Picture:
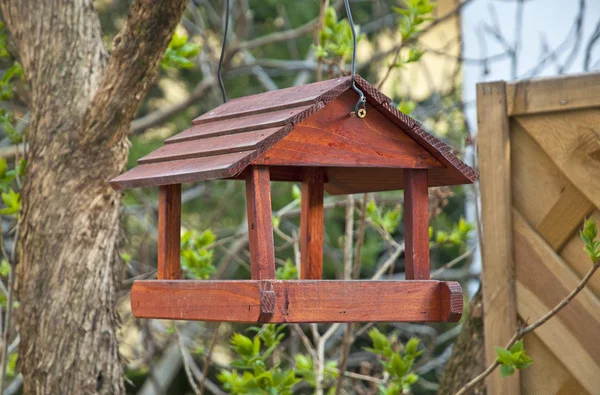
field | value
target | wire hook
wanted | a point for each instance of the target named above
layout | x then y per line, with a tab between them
360	109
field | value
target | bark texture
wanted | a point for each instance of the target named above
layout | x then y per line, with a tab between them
81	103
468	353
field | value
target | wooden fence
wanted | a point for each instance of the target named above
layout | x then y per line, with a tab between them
539	161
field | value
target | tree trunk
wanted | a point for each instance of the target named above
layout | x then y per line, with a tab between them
468	353
81	104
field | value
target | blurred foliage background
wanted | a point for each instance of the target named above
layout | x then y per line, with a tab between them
275	44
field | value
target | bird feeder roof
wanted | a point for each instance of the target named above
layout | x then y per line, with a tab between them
308	125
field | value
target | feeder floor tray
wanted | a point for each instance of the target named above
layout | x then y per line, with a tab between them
298	301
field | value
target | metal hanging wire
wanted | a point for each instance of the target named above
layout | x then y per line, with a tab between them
360	109
220	67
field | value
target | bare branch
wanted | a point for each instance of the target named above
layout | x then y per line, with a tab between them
530	328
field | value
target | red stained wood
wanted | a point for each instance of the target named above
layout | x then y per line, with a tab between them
169	230
299	301
296	96
212	146
416	222
332	137
240	124
224	142
179	171
347	180
311	224
260	223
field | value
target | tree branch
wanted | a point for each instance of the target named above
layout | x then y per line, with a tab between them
137	51
157	117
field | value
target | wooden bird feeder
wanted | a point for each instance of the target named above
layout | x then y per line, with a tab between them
302	134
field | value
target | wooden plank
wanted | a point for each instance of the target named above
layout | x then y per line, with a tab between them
169	231
296	96
416	224
260	223
332	137
499	299
553	94
311	224
180	171
347	180
565	217
532	171
299	301
243	124
571	140
557	337
547	375
212	146
543	281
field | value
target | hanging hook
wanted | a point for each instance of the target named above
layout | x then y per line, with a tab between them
360	109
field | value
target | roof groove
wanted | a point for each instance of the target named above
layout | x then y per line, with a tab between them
285	106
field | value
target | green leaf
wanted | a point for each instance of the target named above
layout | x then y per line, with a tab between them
504	356
242	344
3	167
12	200
517	347
256	345
296	193
412	346
407	106
380	342
287	272
506	370
4	268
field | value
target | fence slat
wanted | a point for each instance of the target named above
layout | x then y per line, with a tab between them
500	320
553	94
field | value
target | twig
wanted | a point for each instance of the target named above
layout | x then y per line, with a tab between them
348	237
347	341
452	263
185	356
278	36
154	118
208	357
530	328
390	261
305	341
398	48
320	366
360	238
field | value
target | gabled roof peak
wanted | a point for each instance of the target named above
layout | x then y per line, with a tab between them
224	141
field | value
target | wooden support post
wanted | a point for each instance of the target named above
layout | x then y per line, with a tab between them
498	271
169	230
260	223
416	224
311	224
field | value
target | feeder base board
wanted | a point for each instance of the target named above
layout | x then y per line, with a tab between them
298	300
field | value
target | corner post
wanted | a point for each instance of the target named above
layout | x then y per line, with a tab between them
416	224
169	230
311	224
498	266
260	223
